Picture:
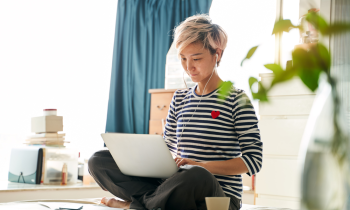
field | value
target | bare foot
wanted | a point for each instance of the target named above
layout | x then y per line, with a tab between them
112	202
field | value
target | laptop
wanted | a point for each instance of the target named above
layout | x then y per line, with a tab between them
141	154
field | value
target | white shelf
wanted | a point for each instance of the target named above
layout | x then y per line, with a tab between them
10	191
13	187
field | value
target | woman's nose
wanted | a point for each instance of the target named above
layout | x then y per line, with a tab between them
189	65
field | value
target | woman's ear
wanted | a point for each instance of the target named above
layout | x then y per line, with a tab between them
219	53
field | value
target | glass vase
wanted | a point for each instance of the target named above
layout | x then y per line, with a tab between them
323	176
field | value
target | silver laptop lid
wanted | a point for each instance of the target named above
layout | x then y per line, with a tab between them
140	154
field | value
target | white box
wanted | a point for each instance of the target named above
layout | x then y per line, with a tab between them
46	124
53	161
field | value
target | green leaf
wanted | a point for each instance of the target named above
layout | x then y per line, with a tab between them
283	76
317	21
280	75
324	57
309	64
300	58
282	26
310	78
250	53
336	28
320	24
252	81
275	68
224	90
262	92
289	65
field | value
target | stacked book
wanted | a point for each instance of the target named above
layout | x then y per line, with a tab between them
46	129
49	139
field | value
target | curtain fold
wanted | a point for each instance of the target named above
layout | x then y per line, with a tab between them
143	36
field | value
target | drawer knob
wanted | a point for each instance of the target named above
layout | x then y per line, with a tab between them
160	107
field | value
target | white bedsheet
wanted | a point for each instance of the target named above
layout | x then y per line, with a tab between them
89	204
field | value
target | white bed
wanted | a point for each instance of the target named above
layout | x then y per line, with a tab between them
89	204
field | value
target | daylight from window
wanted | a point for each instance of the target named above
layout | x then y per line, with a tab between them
247	26
55	54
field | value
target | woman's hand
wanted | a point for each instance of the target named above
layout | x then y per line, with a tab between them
184	161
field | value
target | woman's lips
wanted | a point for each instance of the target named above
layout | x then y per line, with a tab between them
192	75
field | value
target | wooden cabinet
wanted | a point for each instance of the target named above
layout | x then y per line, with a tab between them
282	124
160	102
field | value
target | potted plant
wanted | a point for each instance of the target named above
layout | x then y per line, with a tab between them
325	150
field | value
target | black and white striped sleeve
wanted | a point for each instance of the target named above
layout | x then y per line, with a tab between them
248	133
170	127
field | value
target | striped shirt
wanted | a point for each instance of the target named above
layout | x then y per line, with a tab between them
215	130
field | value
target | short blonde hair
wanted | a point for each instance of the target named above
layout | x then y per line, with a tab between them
200	28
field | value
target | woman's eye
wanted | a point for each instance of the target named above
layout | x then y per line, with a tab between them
196	59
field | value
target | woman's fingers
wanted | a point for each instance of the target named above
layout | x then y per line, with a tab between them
184	161
178	161
181	162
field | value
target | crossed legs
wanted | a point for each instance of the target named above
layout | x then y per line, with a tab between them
186	189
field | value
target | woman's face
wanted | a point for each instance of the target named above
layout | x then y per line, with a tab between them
197	62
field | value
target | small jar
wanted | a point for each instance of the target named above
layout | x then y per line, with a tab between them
50	112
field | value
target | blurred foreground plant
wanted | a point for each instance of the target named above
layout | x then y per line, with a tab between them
308	65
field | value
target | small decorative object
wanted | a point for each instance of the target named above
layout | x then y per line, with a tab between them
215	114
309	34
64	174
50	112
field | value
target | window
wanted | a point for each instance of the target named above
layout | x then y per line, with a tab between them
247	26
55	54
290	10
174	73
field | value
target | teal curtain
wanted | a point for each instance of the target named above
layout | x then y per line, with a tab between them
143	36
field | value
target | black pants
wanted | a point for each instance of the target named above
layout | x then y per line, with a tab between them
186	189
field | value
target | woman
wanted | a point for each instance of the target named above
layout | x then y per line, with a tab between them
216	139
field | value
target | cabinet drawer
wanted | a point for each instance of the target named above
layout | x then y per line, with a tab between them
282	135
292	87
160	103
287	105
279	177
156	127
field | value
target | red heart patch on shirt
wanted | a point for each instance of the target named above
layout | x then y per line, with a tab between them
215	114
